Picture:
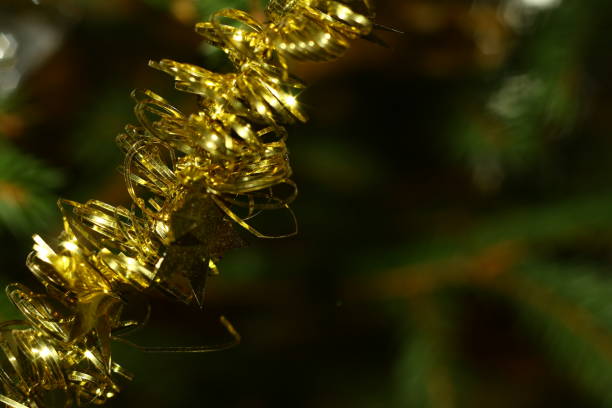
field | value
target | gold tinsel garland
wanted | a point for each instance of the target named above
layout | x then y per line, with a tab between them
191	177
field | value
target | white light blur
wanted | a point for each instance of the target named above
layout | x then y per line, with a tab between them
8	47
509	101
541	4
9	80
520	14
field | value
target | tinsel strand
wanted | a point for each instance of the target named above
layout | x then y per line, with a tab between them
191	177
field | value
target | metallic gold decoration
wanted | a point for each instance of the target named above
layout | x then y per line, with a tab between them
193	178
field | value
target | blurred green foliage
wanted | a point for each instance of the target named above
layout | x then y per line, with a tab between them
28	191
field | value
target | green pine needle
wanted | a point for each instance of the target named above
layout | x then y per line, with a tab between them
27	200
568	308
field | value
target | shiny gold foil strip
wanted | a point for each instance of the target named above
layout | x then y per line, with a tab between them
192	177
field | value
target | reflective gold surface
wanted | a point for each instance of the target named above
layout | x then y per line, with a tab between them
192	177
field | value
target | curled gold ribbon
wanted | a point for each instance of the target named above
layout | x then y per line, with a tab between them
191	177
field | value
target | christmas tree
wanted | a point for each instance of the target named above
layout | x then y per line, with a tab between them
455	210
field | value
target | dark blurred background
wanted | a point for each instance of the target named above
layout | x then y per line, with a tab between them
455	245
